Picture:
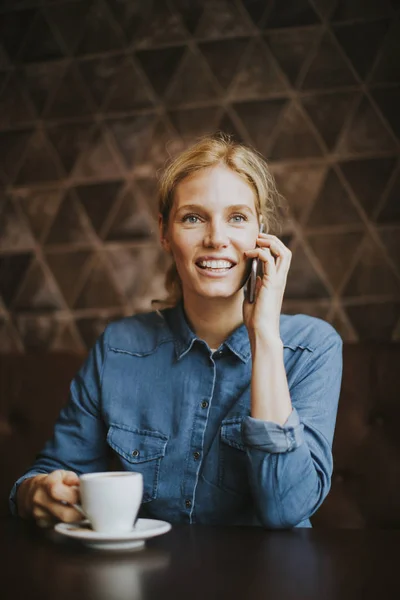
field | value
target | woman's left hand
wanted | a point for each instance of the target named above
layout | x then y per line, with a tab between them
263	316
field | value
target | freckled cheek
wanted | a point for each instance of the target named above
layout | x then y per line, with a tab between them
184	248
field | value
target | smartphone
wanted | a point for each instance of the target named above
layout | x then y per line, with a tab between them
251	285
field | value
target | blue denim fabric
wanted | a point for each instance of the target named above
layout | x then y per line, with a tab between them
167	406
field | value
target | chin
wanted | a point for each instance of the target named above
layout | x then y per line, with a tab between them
214	288
215	291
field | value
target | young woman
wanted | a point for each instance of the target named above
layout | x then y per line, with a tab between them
226	407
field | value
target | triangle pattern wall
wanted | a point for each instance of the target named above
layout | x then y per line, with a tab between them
95	95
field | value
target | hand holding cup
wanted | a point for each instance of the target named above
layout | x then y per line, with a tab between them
50	498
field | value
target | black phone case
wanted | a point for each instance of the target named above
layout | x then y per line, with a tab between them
252	281
251	286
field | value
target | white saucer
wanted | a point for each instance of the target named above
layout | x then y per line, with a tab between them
135	539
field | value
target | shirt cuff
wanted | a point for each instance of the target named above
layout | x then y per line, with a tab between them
271	437
12	500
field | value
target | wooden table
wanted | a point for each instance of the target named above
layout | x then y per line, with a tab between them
199	562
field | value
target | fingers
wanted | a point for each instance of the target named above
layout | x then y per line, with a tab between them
70	478
282	255
277	247
52	499
45	507
60	485
44	519
263	254
60	511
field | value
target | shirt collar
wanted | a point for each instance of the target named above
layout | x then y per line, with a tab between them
238	342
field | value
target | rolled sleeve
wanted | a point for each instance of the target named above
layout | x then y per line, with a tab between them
272	437
289	482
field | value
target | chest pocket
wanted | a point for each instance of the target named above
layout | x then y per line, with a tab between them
232	468
141	451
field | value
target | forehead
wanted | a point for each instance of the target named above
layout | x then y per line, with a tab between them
216	186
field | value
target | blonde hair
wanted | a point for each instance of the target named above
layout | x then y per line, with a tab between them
208	152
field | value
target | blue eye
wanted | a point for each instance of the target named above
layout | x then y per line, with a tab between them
239	218
190	219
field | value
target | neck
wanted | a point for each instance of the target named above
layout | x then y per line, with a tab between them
213	320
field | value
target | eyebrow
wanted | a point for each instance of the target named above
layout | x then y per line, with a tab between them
233	207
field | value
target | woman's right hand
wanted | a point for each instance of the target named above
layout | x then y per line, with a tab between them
48	498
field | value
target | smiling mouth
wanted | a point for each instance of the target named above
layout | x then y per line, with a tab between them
215	266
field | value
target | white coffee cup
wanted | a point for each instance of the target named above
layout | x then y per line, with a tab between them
111	500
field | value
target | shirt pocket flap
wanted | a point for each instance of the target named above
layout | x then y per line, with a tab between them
137	446
231	434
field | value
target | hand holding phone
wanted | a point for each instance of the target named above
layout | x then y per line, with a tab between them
251	285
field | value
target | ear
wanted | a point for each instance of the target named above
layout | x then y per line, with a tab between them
163	234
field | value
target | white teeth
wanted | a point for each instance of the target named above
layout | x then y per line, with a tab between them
215	264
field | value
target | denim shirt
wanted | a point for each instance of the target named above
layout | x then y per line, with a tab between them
157	398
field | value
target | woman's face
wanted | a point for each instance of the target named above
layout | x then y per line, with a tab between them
212	222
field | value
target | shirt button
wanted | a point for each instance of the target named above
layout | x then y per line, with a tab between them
196	455
188	503
135	453
204	404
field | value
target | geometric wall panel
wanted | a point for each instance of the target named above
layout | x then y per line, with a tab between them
97	159
99	34
15	233
303	280
299	185
98	291
14	27
69	270
96	96
367	326
328	69
258	74
192	82
39	207
389	212
223	57
333	205
221	19
390	237
361	42
291	48
41	80
387	99
98	200
70	225
348	10
366	132
387	68
334	251
38	164
70	99
132	220
158	65
368	179
372	276
37	292
37	333
260	119
15	108
13	268
293	13
295	137
329	113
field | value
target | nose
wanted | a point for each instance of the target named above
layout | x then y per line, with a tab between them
216	235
